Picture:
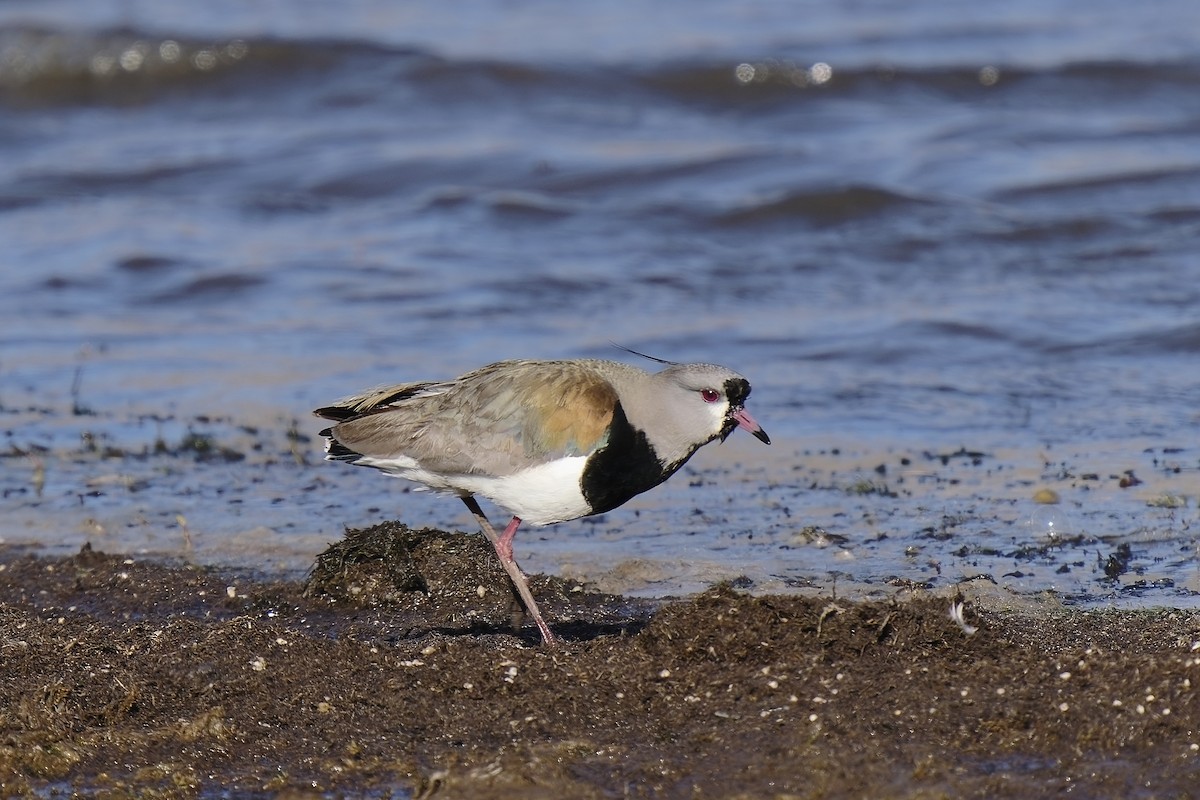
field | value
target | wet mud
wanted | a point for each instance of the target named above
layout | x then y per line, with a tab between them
393	671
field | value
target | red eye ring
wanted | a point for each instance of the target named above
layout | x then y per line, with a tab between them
710	395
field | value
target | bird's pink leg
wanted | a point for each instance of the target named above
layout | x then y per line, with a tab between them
503	546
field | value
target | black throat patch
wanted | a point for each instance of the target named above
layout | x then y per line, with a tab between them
626	466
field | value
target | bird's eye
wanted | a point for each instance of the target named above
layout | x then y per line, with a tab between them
710	395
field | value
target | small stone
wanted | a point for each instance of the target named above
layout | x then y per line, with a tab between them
1046	497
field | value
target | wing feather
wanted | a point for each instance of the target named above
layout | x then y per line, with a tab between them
494	421
371	401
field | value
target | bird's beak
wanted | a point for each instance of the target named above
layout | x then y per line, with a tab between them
746	422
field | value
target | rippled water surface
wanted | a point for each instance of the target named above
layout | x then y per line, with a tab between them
954	249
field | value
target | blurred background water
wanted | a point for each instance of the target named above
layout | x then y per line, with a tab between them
954	248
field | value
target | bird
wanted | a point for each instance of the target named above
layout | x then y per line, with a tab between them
545	440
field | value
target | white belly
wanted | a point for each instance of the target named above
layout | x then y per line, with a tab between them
540	495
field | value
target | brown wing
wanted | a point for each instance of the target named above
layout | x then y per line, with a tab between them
496	420
370	401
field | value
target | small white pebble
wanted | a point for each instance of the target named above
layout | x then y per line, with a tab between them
468	686
1001	691
620	695
258	664
666	673
1063	707
897	713
1149	698
793	699
1064	675
1141	709
1166	712
965	692
281	642
812	718
1194	747
773	684
412	662
481	590
428	651
839	676
1118	703
231	591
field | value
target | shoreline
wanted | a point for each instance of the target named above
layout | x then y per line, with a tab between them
123	677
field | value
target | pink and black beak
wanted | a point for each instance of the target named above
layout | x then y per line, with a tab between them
743	420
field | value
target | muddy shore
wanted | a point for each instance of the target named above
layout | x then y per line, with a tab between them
394	672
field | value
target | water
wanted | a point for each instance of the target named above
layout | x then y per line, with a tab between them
919	229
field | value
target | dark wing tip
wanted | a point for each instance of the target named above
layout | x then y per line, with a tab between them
335	413
374	401
336	451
